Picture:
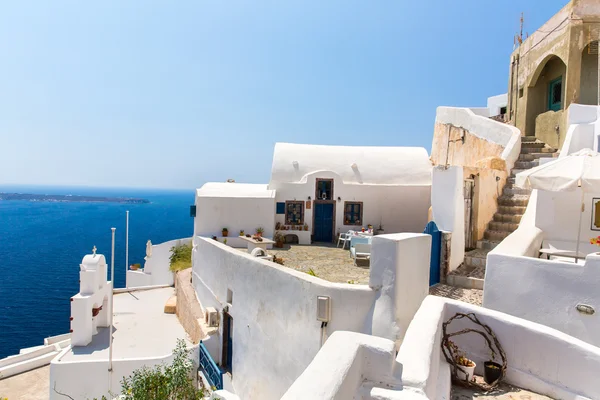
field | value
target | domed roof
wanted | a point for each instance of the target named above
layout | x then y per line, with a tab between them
354	164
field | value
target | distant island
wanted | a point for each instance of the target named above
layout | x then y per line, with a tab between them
71	198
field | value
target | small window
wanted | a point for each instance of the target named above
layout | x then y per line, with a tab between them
520	92
229	296
502	110
353	213
324	189
280	208
294	213
555	95
193	211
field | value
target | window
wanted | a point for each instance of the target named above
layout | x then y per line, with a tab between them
520	92
353	213
555	95
192	211
502	110
324	190
280	208
294	213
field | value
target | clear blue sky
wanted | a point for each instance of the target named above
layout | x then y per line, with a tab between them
176	93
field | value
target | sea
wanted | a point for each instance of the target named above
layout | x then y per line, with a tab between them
42	244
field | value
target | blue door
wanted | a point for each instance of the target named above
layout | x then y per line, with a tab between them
436	249
323	222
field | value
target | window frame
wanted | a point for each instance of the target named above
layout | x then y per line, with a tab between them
290	202
317	197
555	106
359	203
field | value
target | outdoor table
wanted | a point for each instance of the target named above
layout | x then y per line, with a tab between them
253	244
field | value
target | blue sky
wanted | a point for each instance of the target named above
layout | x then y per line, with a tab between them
176	93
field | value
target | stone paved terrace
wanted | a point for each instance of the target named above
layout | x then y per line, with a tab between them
327	261
504	391
30	385
473	296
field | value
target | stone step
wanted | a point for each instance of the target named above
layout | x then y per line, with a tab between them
525	139
496	236
510	190
515	200
536	144
512	218
502	226
536	156
511	210
516	171
487	244
526	164
476	258
541	149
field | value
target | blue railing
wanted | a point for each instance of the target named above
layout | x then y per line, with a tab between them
210	368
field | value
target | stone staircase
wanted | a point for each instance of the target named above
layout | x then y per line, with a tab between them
511	207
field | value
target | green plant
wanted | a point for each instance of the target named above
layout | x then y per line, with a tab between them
241	232
224	230
163	382
311	272
181	257
224	241
259	231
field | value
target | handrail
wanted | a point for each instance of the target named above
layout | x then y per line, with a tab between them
212	371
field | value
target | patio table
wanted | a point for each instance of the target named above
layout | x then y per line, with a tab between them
253	244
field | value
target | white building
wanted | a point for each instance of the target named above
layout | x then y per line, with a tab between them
316	192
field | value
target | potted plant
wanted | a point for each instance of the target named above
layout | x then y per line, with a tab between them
277	226
225	232
135	267
224	241
305	227
248	235
241	232
492	371
278	238
465	364
370	227
259	231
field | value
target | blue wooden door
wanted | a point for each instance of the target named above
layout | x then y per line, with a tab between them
436	249
323	222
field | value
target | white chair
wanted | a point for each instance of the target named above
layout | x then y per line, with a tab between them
344	238
362	251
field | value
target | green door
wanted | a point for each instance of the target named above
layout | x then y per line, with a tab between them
555	94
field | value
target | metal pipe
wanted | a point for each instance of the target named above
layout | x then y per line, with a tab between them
126	240
112	304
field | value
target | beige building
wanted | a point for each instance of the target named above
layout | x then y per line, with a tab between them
556	66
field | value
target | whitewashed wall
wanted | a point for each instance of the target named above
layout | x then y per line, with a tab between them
546	292
234	213
448	209
583	129
495	103
275	330
91	379
398	208
156	268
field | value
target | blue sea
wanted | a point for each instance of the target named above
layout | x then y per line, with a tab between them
42	244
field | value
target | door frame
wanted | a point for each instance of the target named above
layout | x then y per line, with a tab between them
551	85
227	333
314	214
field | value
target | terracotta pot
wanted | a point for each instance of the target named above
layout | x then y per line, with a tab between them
225	233
133	267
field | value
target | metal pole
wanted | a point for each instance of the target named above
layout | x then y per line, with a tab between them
112	304
126	240
582	208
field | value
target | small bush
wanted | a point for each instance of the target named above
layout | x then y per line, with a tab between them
181	257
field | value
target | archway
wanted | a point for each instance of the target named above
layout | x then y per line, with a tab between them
546	90
588	89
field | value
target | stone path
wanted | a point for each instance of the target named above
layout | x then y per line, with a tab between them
327	261
30	385
504	391
473	296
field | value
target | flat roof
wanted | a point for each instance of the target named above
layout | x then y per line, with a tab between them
142	329
232	189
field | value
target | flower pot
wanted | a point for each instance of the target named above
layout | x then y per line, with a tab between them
468	370
134	267
492	372
225	233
